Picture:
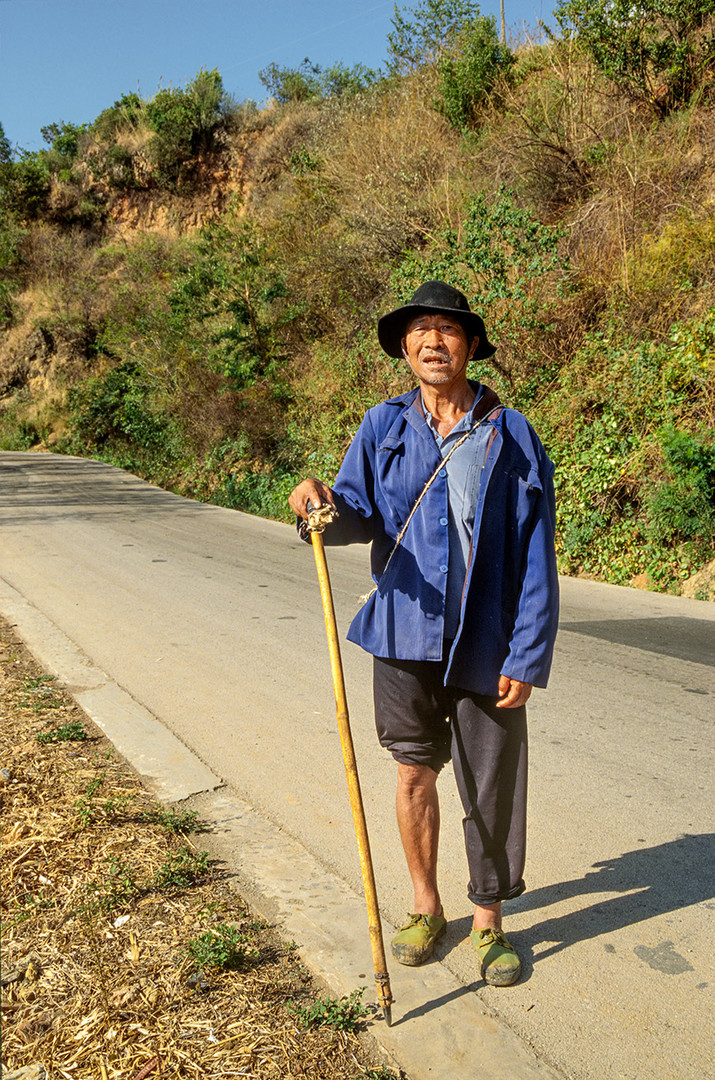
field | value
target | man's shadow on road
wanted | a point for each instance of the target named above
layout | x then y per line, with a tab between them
655	880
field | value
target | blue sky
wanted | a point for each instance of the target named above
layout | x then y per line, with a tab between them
69	59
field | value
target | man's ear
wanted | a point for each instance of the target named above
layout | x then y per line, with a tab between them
473	347
403	345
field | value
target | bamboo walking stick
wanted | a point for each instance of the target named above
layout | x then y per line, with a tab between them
317	520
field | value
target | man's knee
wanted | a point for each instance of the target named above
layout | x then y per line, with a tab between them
415	780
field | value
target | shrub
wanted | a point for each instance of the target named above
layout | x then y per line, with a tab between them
502	258
310	82
224	947
25	187
185	123
468	73
682	506
64	139
115	409
656	51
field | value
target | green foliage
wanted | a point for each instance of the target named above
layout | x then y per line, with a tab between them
73	732
422	33
343	1014
64	139
635	496
468	72
25	187
292	84
12	236
40	693
382	1073
501	257
682	506
114	410
173	820
5	148
117	888
232	294
125	114
310	82
223	947
86	805
657	51
185	123
265	494
182	869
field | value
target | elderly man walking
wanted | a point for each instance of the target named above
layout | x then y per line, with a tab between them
455	492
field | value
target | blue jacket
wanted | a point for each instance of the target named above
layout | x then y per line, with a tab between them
510	603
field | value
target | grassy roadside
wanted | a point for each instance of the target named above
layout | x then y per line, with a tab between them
124	954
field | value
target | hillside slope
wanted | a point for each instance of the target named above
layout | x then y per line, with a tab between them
189	287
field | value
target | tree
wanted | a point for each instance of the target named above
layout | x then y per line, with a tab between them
422	34
469	72
657	51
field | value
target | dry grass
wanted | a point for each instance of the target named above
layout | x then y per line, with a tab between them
98	980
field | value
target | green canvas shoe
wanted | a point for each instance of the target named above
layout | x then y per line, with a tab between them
416	940
500	964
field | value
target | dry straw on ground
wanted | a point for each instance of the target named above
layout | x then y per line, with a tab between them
102	896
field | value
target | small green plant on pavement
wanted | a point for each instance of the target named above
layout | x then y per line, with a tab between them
341	1014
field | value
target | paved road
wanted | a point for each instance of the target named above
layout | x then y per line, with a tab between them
211	619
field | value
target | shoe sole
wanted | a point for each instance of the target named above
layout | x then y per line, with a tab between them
505	977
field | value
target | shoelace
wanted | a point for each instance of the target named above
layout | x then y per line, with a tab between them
495	937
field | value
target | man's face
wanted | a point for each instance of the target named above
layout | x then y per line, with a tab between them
437	350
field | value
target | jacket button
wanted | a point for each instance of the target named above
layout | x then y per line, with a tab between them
444	521
442	472
444	569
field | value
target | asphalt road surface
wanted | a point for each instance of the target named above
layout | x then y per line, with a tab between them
212	620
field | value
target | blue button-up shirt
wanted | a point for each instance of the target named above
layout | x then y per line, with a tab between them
509	607
463	471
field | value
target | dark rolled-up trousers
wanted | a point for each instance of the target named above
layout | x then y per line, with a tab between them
423	722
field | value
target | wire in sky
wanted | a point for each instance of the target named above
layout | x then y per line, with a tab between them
306	37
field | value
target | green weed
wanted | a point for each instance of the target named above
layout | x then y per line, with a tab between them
223	947
341	1014
73	732
117	888
40	694
182	869
174	821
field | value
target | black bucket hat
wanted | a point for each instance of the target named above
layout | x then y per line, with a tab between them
439	298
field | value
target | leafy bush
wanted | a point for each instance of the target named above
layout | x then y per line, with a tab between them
115	408
656	51
231	295
181	869
25	187
64	139
682	506
310	82
469	72
73	732
185	123
502	258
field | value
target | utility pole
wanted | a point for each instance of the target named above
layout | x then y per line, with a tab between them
503	25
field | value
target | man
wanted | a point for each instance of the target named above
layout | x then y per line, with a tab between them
455	492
